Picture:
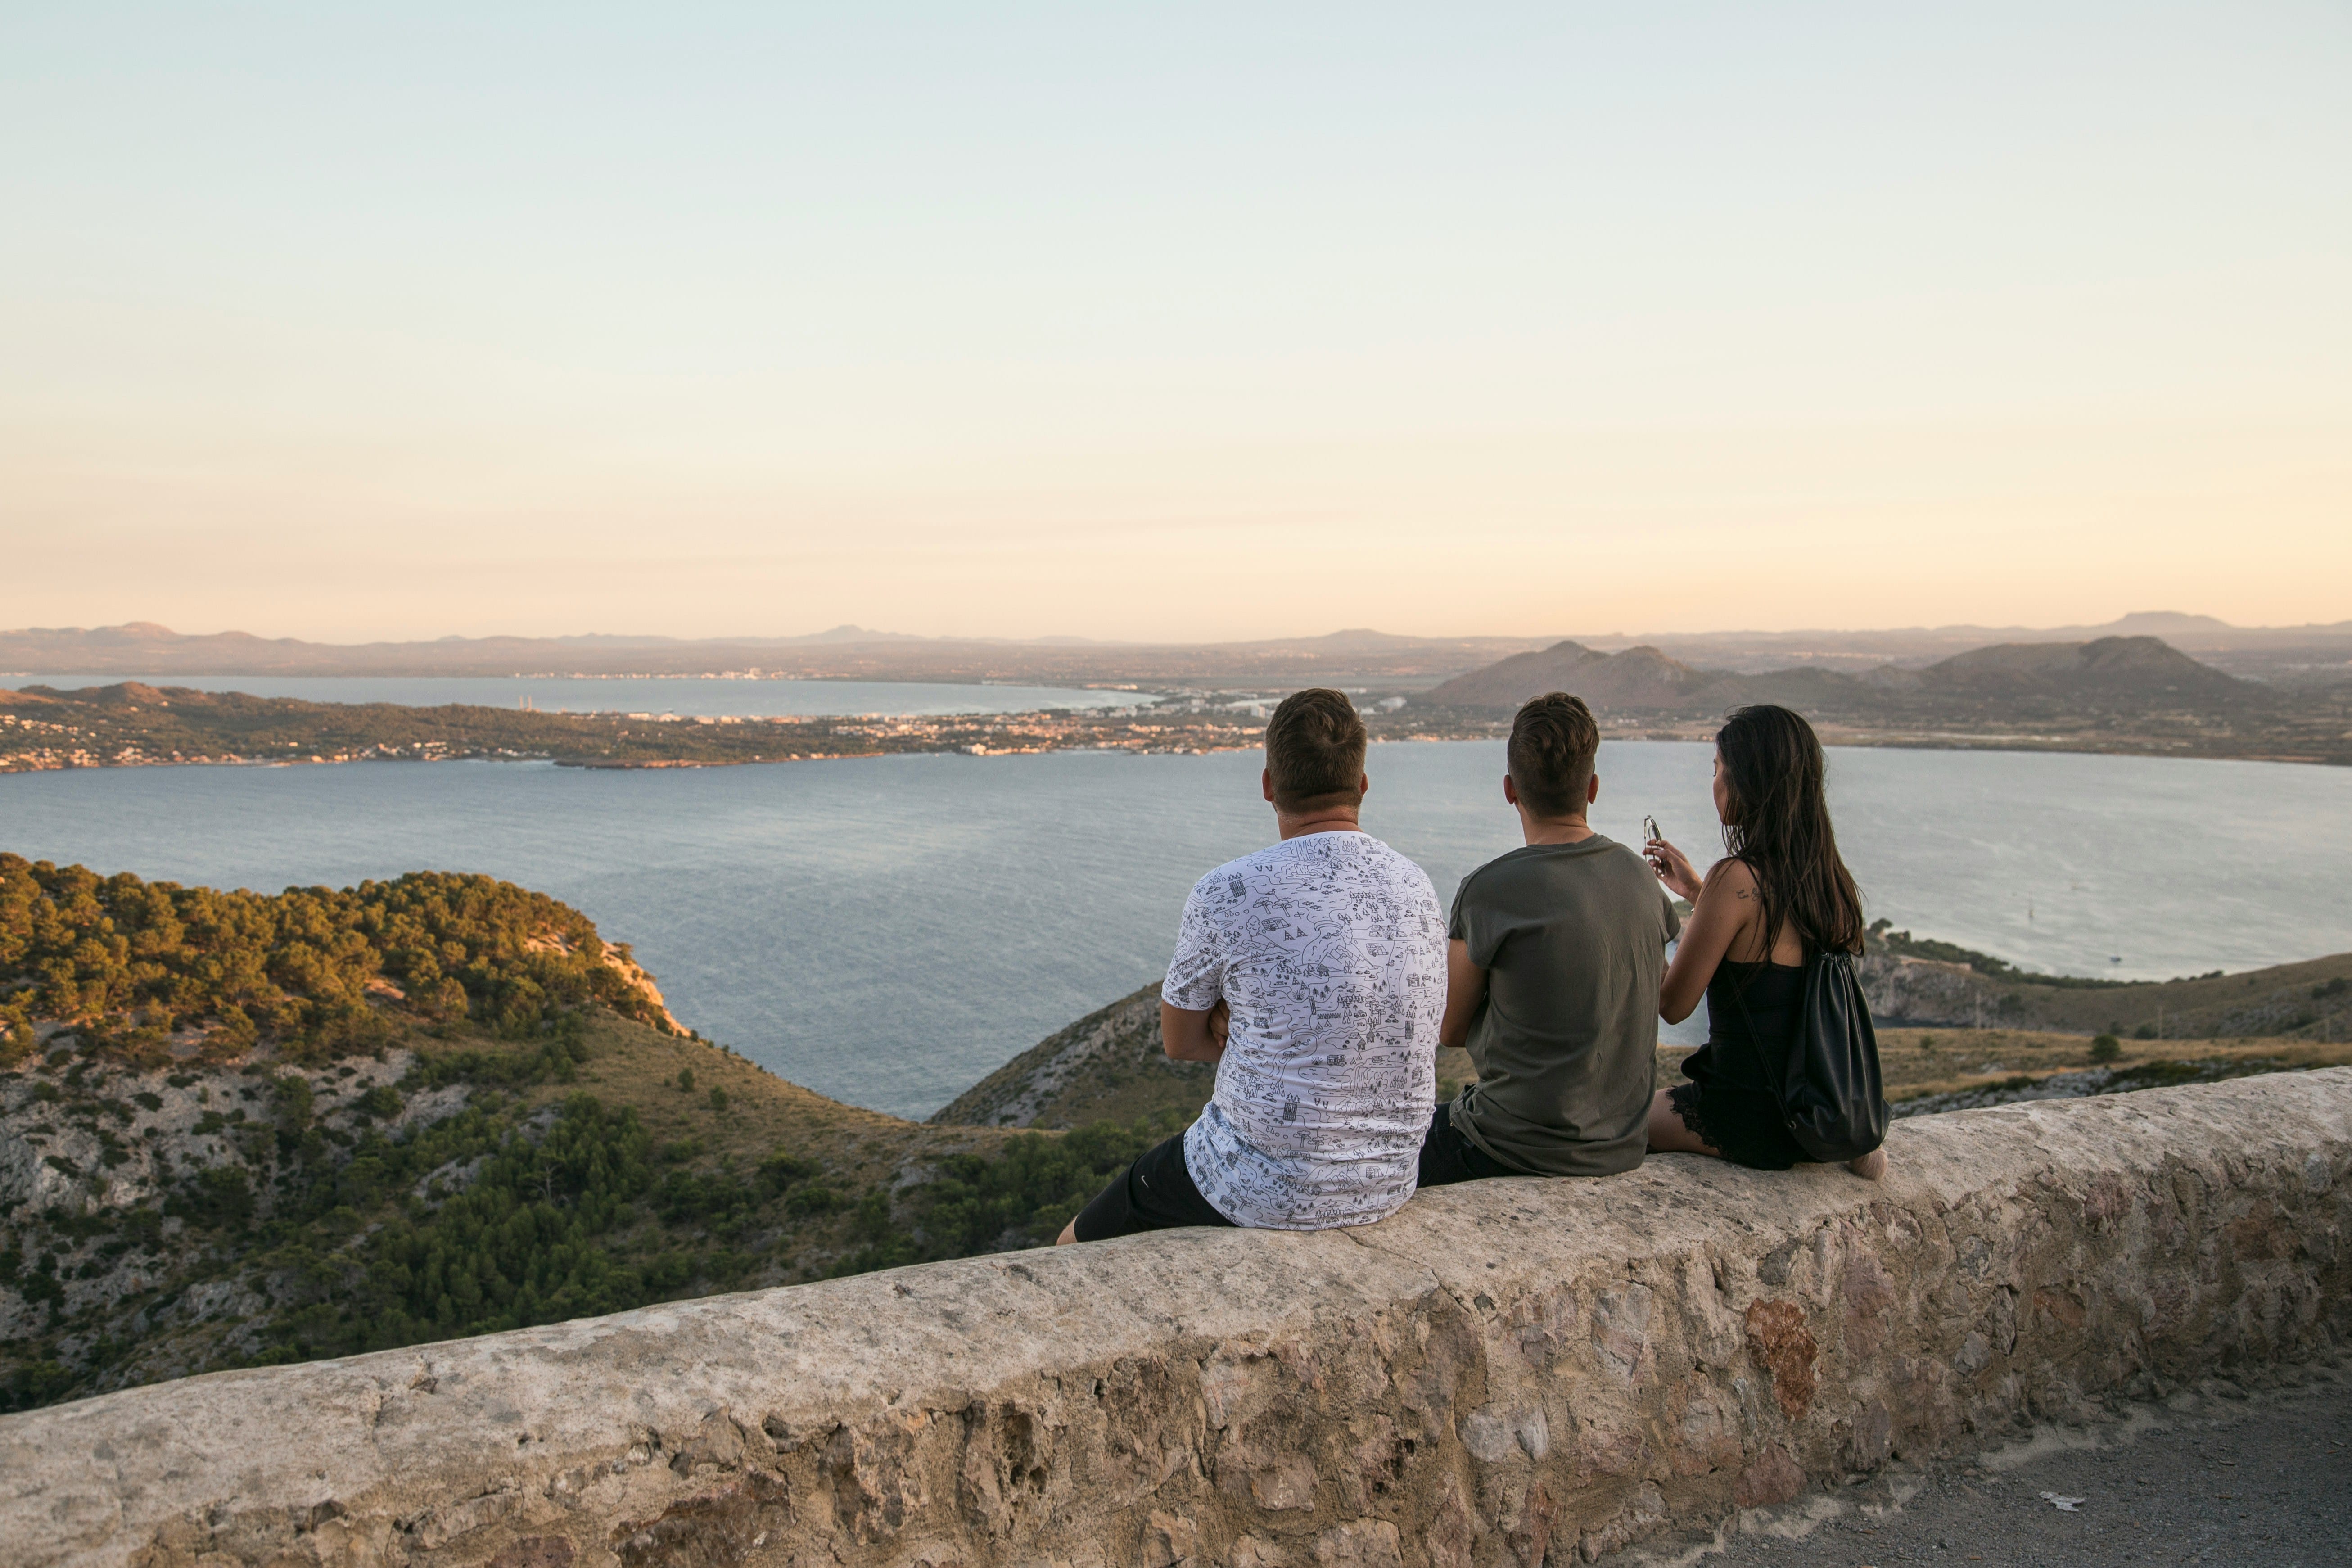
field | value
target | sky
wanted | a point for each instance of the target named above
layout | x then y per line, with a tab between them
1202	321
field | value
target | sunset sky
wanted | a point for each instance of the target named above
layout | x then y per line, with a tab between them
1174	322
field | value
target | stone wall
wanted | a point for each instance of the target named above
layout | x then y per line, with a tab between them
1508	1374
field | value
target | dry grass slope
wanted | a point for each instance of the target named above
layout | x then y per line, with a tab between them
1108	1065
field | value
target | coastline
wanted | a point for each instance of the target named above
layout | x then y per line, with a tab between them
1833	737
134	725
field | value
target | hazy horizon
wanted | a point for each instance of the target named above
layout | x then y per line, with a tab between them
1173	326
898	634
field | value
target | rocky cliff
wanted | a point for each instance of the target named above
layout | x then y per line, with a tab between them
2310	1001
1065	1079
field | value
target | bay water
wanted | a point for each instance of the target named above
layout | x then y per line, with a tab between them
887	930
685	695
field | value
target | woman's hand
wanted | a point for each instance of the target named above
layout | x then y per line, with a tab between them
1673	869
1220	1023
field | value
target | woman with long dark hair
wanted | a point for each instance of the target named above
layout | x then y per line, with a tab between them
1779	896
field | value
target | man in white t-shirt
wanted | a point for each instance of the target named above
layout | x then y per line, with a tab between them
1313	974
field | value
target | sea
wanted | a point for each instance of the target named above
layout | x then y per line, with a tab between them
887	930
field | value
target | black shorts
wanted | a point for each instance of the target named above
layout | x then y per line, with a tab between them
1447	1156
1743	1126
1156	1193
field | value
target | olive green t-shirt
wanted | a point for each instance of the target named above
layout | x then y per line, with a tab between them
1573	940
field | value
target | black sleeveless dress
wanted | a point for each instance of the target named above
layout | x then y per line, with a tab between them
1729	1101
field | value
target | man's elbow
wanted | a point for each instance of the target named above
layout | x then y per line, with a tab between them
1181	1045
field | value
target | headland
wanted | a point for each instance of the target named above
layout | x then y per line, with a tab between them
242	1130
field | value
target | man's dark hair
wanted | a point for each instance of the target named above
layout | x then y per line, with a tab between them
1315	750
1552	744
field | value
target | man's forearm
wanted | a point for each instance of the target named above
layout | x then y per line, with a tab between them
1186	1036
1466	989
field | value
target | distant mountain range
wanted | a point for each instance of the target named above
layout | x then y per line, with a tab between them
2137	671
846	652
2196	633
1353	657
2107	694
2313	655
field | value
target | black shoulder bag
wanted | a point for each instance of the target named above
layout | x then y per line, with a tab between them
1828	1080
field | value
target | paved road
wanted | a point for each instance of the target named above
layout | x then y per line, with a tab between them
2220	1476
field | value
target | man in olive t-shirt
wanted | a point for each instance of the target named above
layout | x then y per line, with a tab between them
1553	962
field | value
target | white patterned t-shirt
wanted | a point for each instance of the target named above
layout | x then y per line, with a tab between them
1330	950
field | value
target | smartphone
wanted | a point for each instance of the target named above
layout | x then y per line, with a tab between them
1649	828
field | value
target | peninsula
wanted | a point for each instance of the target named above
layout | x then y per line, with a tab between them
239	1129
136	725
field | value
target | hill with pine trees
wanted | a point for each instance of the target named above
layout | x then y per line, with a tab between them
238	1129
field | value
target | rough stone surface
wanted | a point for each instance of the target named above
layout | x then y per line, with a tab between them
1506	1373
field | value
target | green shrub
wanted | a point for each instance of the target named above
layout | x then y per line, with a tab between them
383	1103
38	1383
817	1198
313	970
220	1195
779	1170
2107	1048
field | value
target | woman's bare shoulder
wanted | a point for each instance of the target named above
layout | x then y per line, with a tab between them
1729	878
